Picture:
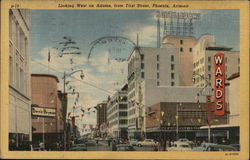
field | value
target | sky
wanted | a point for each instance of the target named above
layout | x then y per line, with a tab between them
102	70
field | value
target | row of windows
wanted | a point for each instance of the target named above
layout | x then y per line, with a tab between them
131	112
132	120
182	50
123	121
123	113
158	83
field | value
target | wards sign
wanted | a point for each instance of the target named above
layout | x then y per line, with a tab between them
219	84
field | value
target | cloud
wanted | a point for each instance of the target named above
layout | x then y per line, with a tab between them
147	33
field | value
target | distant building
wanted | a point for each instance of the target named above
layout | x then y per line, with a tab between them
184	46
44	97
19	78
203	60
101	116
117	113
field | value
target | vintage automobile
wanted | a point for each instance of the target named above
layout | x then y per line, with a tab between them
133	142
203	146
79	147
180	146
146	142
220	148
125	147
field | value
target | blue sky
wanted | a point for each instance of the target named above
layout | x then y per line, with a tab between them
84	26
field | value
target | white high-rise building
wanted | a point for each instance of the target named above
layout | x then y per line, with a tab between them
19	77
154	66
117	114
203	60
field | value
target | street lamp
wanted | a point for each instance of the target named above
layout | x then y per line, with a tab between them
177	121
163	137
208	100
67	75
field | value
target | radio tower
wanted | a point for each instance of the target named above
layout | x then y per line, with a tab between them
165	27
158	30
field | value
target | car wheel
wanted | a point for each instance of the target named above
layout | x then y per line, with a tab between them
140	145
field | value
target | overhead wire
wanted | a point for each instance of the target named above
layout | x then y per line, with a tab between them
87	83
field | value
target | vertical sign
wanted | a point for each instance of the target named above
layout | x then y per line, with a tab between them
219	84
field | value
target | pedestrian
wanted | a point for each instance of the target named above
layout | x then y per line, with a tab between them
114	148
109	142
156	146
41	145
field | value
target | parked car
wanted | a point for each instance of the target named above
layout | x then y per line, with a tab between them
236	146
146	142
133	142
81	140
220	148
203	147
78	147
180	146
125	147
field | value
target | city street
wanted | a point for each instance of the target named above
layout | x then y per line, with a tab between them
103	146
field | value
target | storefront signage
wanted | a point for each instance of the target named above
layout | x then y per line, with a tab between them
181	128
43	112
219	84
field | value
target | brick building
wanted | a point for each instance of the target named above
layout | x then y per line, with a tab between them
44	94
162	120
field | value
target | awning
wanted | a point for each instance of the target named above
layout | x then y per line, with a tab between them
219	126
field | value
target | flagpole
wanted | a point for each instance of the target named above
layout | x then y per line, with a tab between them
48	59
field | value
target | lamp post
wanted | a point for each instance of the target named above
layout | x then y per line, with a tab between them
177	121
64	91
161	126
67	75
208	101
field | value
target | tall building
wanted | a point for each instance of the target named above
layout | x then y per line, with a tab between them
117	113
101	114
47	116
203	60
184	45
152	66
19	78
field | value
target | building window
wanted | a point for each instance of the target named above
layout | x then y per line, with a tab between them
172	83
181	41
172	75
181	49
225	59
190	49
142	57
209	68
158	83
158	66
142	74
142	65
209	59
172	66
209	76
158	75
17	76
158	57
11	70
172	58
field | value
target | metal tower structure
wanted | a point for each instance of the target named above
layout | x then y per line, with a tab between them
180	24
158	31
